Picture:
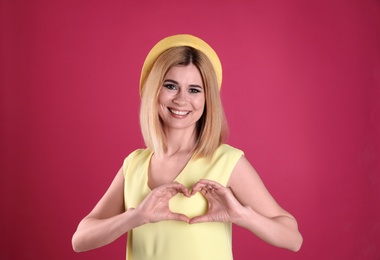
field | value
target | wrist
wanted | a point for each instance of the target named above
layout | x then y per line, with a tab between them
137	217
244	216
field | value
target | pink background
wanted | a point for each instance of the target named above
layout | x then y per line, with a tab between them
301	92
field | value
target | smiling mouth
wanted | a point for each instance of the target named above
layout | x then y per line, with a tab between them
179	113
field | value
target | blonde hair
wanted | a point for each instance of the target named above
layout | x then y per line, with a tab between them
212	127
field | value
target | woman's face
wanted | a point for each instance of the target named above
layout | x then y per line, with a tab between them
181	98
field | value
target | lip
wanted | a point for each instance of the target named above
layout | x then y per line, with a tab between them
178	113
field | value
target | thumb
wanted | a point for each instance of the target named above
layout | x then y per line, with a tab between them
178	217
199	219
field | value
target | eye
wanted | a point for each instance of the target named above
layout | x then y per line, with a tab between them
194	90
170	86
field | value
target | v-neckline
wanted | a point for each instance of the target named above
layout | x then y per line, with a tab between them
149	161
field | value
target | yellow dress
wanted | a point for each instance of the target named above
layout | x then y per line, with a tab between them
175	240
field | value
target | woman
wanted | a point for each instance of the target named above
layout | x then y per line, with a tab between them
178	198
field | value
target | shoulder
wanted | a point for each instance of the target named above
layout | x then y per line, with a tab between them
225	149
226	157
137	155
244	173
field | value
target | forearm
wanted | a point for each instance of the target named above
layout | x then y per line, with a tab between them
280	231
93	233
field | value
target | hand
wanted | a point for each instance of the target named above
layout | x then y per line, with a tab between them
155	207
222	204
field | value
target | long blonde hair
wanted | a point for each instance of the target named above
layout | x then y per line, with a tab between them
212	127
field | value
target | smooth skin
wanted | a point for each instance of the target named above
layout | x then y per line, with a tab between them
245	201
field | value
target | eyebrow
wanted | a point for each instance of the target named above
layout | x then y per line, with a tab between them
175	82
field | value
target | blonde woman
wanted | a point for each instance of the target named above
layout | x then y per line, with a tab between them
178	198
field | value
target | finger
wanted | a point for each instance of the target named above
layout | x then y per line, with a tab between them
213	184
178	217
206	183
209	182
203	192
199	219
217	188
176	187
208	193
182	189
198	187
210	188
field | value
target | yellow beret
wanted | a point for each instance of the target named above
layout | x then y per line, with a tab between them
180	40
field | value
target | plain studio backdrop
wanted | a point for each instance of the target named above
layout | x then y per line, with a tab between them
301	92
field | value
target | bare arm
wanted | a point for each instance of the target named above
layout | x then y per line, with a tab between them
247	203
108	220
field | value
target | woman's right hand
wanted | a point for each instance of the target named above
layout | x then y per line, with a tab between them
108	220
155	207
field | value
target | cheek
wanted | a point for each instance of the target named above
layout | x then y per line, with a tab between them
201	104
160	105
161	101
164	98
160	98
161	108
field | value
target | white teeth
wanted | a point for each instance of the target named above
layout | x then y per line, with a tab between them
180	113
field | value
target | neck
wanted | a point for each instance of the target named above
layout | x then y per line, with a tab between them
179	141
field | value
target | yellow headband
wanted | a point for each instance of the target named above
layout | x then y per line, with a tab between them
180	40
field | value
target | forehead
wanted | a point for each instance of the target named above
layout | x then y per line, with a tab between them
184	73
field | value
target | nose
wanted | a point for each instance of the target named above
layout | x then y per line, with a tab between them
180	97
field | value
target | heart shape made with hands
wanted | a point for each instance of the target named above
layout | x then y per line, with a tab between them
193	206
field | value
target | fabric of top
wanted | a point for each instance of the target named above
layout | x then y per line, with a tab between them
173	240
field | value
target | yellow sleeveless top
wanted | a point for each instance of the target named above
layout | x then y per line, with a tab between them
175	240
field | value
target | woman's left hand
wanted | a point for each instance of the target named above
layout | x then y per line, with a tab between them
222	204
